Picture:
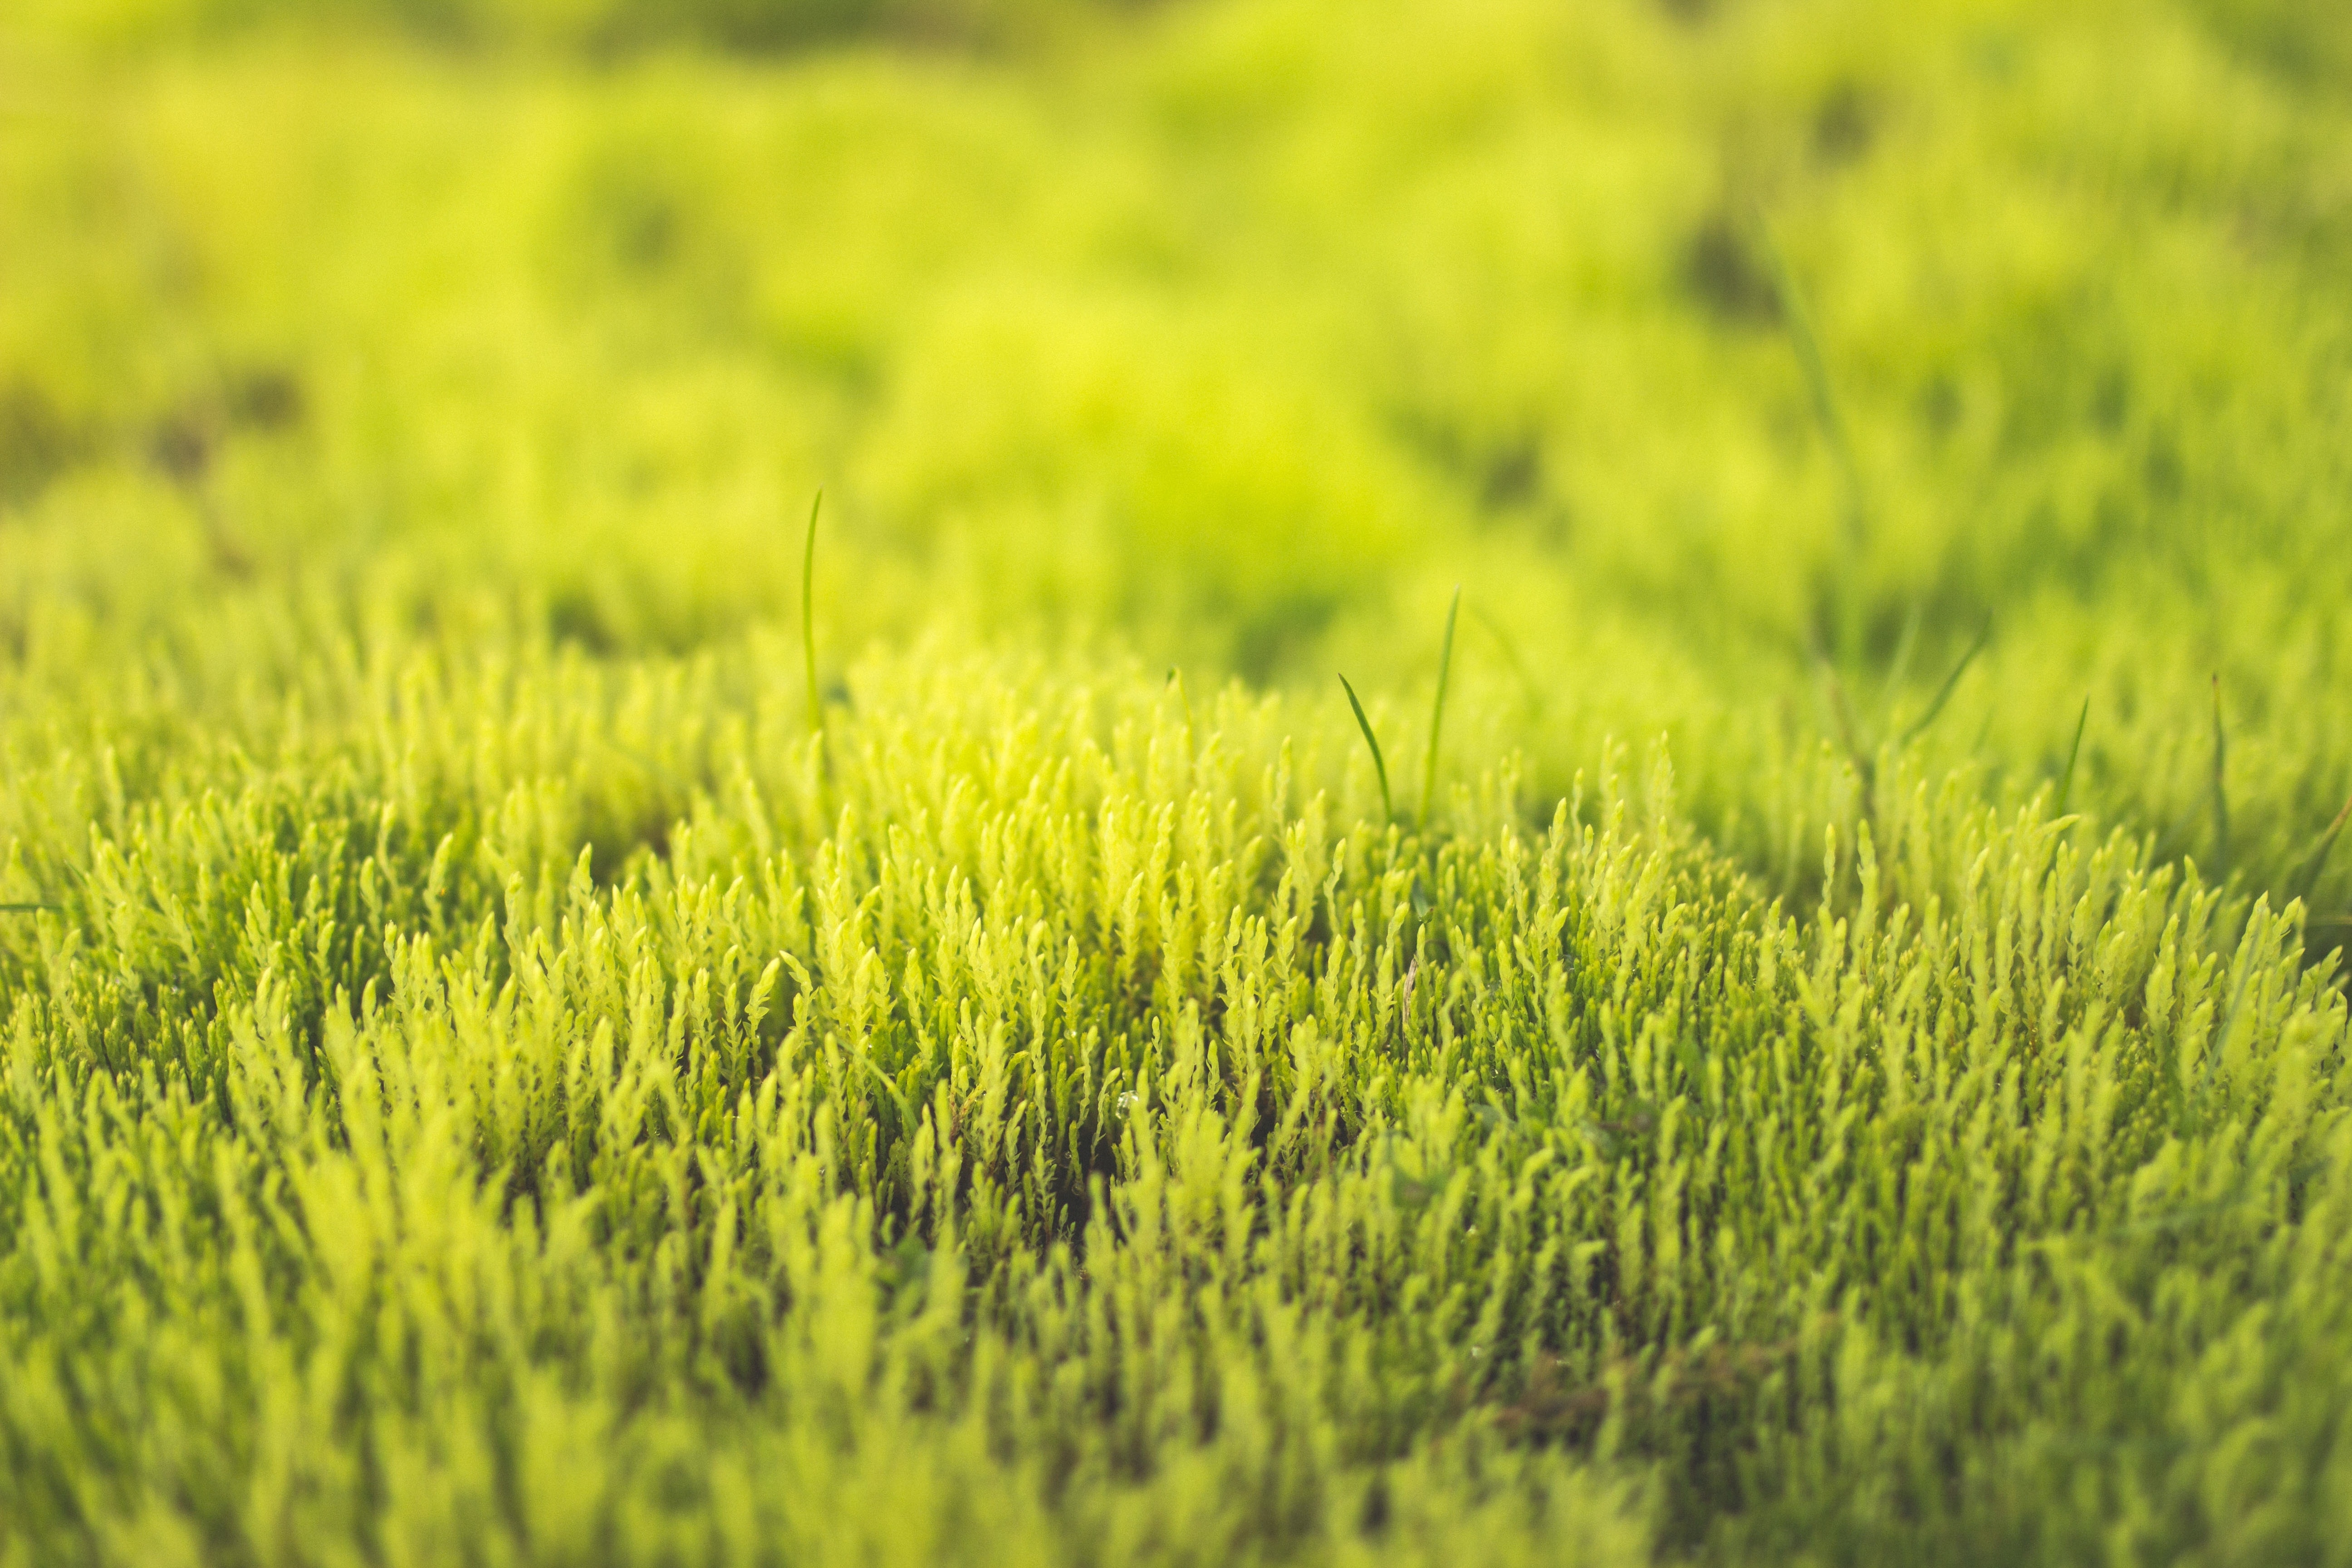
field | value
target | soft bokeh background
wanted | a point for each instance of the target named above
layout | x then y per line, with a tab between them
1229	335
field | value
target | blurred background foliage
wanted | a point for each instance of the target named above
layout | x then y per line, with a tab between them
1229	335
592	27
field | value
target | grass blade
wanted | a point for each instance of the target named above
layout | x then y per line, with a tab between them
1817	383
1899	665
2066	786
2304	881
1944	692
1437	713
29	908
808	616
1380	765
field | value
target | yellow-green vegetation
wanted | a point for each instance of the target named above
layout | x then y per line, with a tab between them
561	1007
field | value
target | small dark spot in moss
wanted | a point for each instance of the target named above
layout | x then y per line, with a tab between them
1511	475
1376	1509
37	440
611	853
1725	274
181	445
1845	122
265	397
574	617
1503	470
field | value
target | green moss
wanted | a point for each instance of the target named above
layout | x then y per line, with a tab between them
1817	1079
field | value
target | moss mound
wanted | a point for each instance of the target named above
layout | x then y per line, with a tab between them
1837	1054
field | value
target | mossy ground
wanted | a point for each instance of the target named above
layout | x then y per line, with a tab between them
484	1080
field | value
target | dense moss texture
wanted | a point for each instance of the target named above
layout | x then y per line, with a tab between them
1842	1062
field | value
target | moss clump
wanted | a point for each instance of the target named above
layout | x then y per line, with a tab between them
533	1030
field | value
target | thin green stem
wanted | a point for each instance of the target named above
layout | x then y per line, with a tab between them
1944	692
1379	764
2306	880
1899	665
1826	413
2066	786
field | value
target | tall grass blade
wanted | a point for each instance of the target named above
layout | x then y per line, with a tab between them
2066	784
1379	764
1826	411
1899	665
2305	878
1944	692
1437	713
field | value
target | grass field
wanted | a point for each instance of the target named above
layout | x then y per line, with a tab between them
528	1041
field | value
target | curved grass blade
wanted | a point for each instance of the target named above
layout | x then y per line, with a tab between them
2066	786
1380	765
1944	692
1437	713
